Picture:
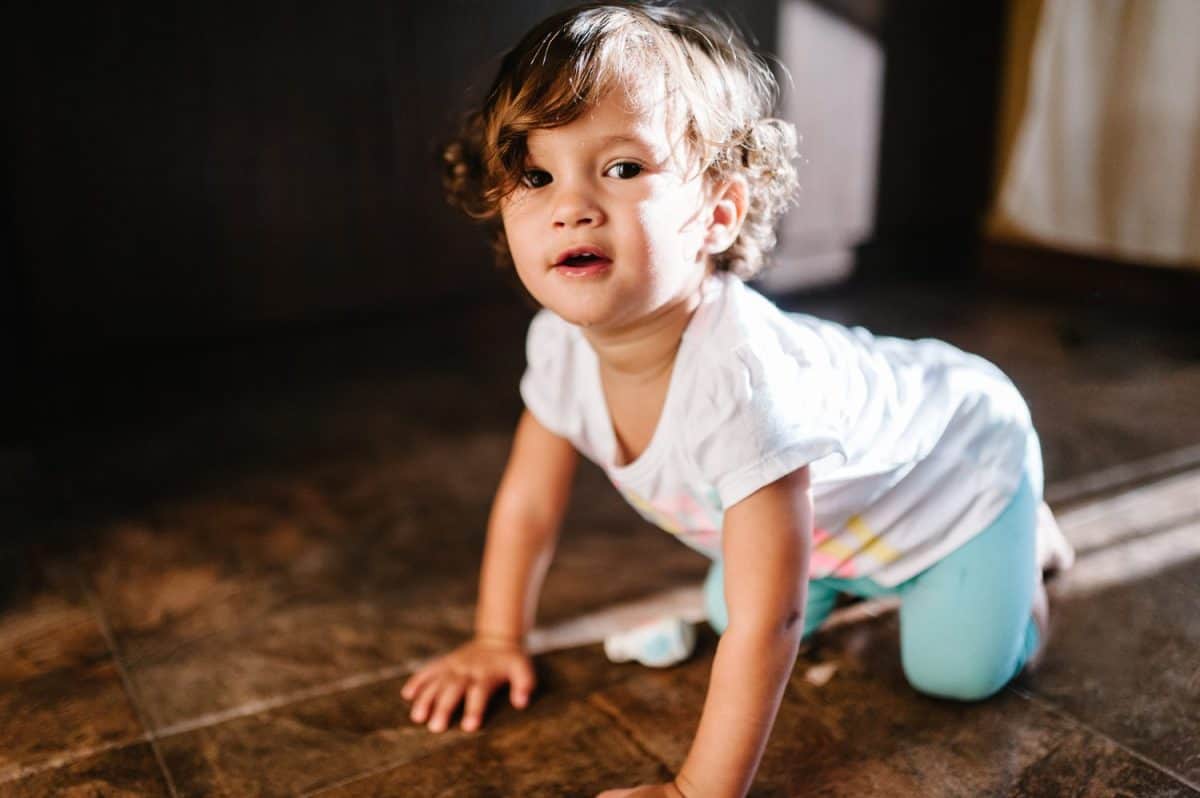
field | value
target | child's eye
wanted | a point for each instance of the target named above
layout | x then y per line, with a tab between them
536	178
624	170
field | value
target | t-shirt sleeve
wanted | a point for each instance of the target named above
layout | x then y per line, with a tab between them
545	386
763	418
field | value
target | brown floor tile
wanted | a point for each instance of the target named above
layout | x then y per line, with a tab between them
60	689
276	586
866	732
300	747
279	586
1127	661
316	743
1082	765
129	772
573	750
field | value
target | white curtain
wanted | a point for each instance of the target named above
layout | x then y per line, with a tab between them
1107	155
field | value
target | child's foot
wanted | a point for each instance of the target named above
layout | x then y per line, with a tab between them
658	644
1054	551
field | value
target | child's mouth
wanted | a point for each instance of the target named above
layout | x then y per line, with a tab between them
580	262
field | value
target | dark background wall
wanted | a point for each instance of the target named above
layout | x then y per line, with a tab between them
183	173
191	170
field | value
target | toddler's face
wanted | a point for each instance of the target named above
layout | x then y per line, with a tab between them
609	226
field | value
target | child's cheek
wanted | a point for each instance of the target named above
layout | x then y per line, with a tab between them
673	229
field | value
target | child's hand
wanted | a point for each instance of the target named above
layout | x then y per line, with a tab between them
473	670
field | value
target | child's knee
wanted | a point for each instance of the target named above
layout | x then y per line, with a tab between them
960	676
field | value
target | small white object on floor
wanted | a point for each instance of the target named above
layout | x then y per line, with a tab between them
660	643
685	602
819	675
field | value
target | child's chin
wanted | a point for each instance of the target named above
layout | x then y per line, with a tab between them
587	320
582	311
590	318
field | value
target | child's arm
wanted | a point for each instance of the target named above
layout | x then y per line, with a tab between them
522	532
765	548
523	529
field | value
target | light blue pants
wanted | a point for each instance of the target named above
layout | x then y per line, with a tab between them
965	623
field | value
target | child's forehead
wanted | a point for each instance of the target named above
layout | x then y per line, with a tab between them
617	117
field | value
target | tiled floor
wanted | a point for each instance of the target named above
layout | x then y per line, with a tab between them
240	554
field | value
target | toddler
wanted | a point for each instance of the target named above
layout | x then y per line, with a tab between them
627	160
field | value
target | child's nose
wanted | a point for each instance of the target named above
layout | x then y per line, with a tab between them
576	209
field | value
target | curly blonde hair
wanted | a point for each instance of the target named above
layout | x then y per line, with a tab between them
717	87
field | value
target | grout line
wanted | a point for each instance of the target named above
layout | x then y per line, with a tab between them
607	710
1069	491
204	721
69	758
360	776
1054	708
127	681
363	775
410	761
342	685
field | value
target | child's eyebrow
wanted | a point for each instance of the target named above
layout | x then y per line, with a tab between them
615	139
620	138
611	140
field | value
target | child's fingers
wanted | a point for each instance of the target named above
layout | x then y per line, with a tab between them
416	682
450	693
522	683
477	698
424	698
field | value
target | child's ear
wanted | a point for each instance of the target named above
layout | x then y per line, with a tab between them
730	201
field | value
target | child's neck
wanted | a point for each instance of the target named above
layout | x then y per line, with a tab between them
635	367
645	352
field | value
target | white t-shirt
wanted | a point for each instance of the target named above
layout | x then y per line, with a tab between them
914	446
